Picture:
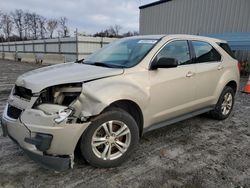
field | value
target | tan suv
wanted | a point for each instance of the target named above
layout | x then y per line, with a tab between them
103	104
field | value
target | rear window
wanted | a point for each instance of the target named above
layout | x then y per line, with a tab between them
227	49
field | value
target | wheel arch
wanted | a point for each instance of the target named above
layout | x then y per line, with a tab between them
233	85
127	105
229	78
132	108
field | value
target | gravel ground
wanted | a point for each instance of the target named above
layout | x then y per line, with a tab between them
198	152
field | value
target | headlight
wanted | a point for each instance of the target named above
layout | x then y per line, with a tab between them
62	115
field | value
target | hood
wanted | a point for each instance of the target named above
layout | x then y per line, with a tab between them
39	79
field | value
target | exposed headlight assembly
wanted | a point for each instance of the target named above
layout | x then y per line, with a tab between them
61	94
63	115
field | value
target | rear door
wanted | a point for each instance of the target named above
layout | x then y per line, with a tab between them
209	67
172	90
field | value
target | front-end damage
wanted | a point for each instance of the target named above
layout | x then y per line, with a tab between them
44	112
49	129
68	103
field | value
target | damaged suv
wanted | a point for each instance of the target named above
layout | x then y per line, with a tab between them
102	105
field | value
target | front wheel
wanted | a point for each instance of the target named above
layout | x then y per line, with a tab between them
224	105
109	139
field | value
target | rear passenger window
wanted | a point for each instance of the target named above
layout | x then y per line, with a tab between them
177	49
205	52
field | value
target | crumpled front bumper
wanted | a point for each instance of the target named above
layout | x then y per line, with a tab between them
47	161
58	153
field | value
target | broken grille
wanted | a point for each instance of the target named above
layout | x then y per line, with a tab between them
13	112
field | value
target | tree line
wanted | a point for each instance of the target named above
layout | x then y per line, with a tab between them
24	25
115	31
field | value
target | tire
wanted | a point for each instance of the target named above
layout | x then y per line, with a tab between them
219	112
96	139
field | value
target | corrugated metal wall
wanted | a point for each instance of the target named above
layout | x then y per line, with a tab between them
196	17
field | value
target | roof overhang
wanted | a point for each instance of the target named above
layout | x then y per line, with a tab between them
153	4
236	40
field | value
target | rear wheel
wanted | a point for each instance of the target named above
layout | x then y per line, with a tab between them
109	139
224	105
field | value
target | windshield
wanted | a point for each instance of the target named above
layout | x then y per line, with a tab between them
123	53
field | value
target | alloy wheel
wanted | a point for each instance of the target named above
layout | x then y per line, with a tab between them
111	140
227	104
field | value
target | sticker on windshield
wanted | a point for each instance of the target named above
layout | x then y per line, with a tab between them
147	41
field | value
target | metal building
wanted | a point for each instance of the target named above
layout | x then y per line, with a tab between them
225	19
195	16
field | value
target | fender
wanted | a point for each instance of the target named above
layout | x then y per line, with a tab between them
228	76
99	94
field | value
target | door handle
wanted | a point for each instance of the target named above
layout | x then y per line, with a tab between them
190	74
220	67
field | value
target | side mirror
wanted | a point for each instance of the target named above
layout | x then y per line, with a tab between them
165	62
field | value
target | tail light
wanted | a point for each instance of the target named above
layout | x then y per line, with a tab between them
239	66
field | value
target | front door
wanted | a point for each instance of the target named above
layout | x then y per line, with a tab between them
172	90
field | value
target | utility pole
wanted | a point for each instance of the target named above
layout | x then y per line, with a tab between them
76	33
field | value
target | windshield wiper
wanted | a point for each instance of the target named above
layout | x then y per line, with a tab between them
101	64
79	61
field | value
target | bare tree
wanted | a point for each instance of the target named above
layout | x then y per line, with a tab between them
30	26
127	34
18	18
117	29
114	31
51	26
27	25
7	25
33	23
41	24
63	26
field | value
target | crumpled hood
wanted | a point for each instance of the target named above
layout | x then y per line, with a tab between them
39	79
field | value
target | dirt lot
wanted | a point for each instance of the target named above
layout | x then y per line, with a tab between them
198	152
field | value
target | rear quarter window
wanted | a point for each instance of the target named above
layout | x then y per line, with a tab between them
227	49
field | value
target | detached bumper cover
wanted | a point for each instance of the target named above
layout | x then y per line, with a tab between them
47	161
50	144
51	162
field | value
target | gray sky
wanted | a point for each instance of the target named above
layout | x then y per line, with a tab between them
88	16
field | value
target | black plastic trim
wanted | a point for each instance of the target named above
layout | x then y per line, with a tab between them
177	119
51	162
41	141
192	52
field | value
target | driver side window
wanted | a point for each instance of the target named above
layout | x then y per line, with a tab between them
177	49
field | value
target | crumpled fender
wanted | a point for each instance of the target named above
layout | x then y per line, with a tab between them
99	94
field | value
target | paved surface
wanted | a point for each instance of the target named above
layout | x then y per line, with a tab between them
198	152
